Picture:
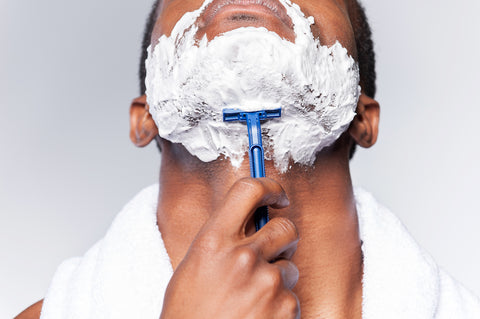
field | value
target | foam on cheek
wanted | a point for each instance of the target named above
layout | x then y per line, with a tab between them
190	82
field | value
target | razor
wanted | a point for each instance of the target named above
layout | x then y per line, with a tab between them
255	148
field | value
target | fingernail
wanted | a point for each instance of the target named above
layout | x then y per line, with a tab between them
285	201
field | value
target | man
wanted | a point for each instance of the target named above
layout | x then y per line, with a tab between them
321	255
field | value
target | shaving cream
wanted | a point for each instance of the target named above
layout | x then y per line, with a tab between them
189	82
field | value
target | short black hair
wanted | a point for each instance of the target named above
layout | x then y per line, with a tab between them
147	36
365	52
365	48
363	41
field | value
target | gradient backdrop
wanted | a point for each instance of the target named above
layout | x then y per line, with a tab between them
68	73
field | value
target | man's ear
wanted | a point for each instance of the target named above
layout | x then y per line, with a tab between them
364	127
142	127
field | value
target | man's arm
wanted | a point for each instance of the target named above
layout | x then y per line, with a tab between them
229	274
32	312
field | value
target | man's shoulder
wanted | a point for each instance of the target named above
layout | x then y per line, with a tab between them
32	312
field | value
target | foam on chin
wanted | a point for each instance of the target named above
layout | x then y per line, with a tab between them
190	82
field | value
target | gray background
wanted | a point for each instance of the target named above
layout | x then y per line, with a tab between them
67	76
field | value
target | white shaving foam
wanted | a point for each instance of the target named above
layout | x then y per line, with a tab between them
190	82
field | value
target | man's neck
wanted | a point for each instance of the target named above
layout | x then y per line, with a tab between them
328	256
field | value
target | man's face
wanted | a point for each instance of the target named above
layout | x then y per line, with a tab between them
213	55
332	22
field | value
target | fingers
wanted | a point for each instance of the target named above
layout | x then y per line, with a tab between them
244	197
288	271
277	239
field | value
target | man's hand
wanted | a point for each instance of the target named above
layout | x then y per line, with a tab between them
227	274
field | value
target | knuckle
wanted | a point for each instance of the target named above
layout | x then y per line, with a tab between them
291	305
209	241
273	279
245	257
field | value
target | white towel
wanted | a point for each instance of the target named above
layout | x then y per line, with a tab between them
126	273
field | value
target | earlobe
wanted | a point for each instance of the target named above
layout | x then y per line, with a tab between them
142	127
364	127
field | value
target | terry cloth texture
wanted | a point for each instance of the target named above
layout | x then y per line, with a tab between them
126	273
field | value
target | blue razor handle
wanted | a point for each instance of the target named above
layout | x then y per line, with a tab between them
255	153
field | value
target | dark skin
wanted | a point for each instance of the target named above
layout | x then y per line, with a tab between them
307	260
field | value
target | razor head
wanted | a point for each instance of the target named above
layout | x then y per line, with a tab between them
231	115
